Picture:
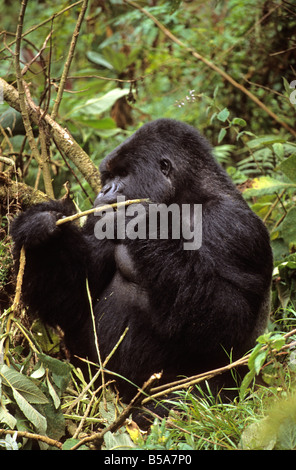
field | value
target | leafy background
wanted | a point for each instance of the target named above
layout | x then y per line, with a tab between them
126	71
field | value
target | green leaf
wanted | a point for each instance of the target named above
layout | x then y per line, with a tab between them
22	384
239	122
60	370
53	394
259	361
256	351
288	167
98	59
100	104
267	185
6	417
223	115
288	227
265	141
100	124
30	413
221	135
69	443
118	441
258	435
245	383
287	435
278	149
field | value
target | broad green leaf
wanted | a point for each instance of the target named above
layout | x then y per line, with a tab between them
239	122
259	361
98	59
60	370
256	351
6	417
267	185
265	141
288	167
258	436
69	443
287	435
100	104
245	383
22	384
288	227
223	115
100	124
278	149
30	413
118	441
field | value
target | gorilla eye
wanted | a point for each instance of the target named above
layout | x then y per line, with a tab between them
165	166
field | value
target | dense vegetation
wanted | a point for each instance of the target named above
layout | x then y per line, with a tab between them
226	67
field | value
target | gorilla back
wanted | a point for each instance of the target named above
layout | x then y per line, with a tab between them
184	309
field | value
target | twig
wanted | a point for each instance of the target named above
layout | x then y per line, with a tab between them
97	374
69	60
88	408
40	25
23	106
70	147
98	437
100	209
16	300
30	435
213	66
28	65
96	340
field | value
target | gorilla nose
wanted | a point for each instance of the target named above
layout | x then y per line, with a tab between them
106	189
107	195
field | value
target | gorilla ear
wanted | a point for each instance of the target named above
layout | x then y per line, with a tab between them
165	166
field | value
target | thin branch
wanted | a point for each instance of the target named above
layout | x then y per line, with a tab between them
70	147
97	374
43	164
212	66
30	435
98	437
100	209
33	28
28	65
16	301
69	60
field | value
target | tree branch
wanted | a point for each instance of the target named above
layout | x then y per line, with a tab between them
30	435
42	162
67	143
69	60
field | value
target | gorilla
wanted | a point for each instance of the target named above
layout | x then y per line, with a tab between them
186	309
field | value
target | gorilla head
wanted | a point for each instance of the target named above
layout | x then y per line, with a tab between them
167	162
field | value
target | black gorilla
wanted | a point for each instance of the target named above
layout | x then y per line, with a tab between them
185	308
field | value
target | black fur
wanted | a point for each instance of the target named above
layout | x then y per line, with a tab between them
184	308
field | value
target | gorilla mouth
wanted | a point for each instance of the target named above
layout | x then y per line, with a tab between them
150	222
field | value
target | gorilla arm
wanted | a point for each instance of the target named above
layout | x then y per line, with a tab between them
58	262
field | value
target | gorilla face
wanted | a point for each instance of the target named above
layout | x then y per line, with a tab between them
124	173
